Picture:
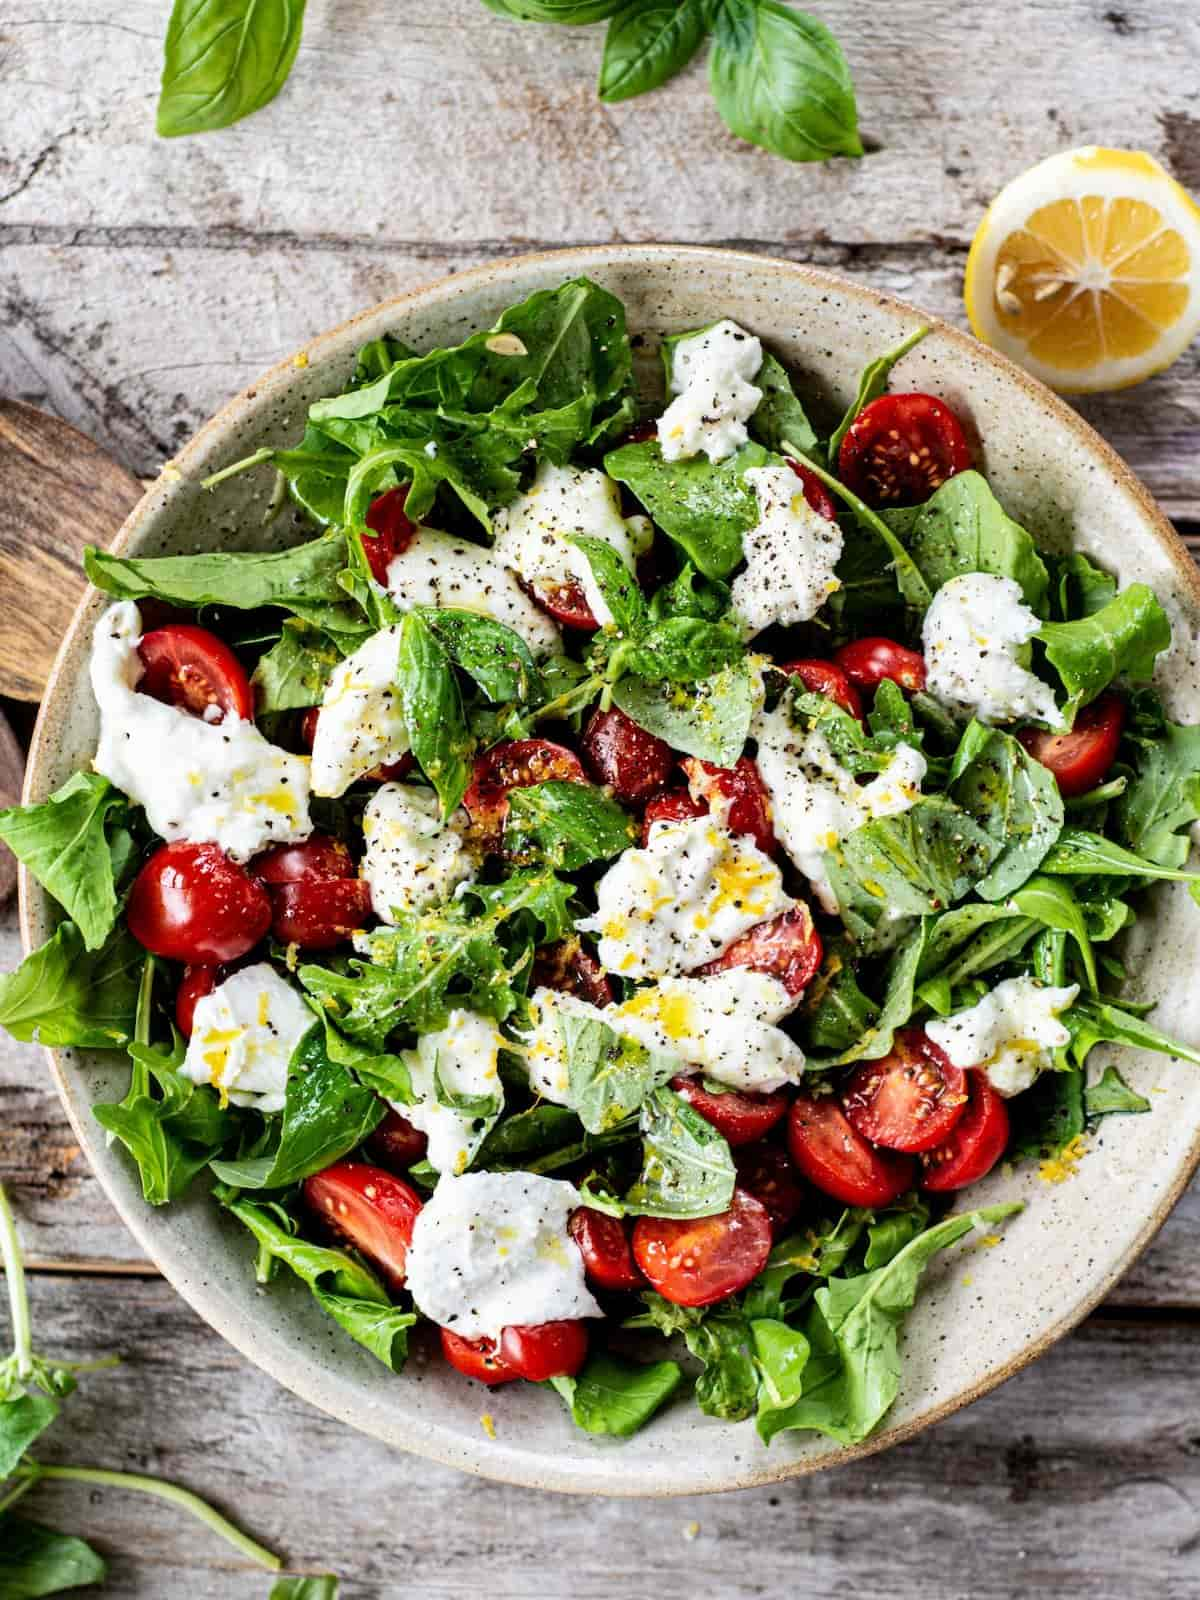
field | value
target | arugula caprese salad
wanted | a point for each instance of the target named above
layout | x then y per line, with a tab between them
609	869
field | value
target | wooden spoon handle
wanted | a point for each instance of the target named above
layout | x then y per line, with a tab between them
60	492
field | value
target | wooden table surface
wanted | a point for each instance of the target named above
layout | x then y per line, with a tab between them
141	283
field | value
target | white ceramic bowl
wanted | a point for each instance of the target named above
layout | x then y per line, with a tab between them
983	1312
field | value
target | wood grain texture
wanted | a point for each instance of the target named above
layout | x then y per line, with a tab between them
12	776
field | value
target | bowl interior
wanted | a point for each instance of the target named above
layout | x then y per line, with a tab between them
983	1311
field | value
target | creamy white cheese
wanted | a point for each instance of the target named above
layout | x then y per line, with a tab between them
361	726
464	1054
711	374
207	782
972	634
815	802
243	1037
790	555
490	1250
723	1026
682	899
439	570
1011	1033
412	858
533	534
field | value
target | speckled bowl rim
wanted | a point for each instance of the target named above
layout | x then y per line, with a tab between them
303	1378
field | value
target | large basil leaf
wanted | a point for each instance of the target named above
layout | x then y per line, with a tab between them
614	1396
704	506
682	650
872	383
492	655
432	707
920	861
1013	798
23	1419
711	721
571	12
1122	640
648	42
65	843
36	1560
961	528
780	417
616	583
608	1076
224	59
1163	799
566	825
687	1168
64	994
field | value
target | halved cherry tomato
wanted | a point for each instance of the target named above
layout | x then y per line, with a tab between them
867	662
571	969
1080	759
320	912
318	859
742	1118
604	1246
815	492
393	531
633	763
839	1161
677	806
476	1358
822	677
900	448
566	603
516	764
977	1141
193	986
191	903
389	772
641	432
909	1099
788	948
372	1208
765	1171
189	667
697	1261
544	1350
739	792
396	1143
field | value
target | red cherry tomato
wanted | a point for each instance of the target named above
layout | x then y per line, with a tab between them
389	772
1080	759
839	1161
193	986
191	903
977	1141
742	1118
815	492
641	432
189	667
908	1100
678	806
900	448
604	1246
395	1143
545	1350
320	912
737	790
476	1358
571	969
633	763
371	1208
567	604
765	1171
317	859
391	529
516	764
788	948
867	662
704	1259
822	677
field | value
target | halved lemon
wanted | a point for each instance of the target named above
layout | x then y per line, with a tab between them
1086	270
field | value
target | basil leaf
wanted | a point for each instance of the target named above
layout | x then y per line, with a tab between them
1163	799
567	825
898	1002
485	1106
492	655
703	506
616	583
541	1128
871	385
780	81
1081	588
961	528
1014	798
711	721
293	673
779	416
608	1076
432	707
613	1396
36	1560
1123	639
683	650
1048	1116
687	1169
690	595
1111	1094
23	1418
920	861
836	1011
63	994
381	1329
1079	853
224	59
570	12
64	842
324	1587
648	42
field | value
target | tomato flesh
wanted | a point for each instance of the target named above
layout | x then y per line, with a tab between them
571	969
977	1141
317	859
567	604
320	912
788	948
1080	759
909	1099
604	1245
193	986
699	1260
737	794
742	1118
815	493
395	1143
902	447
765	1171
678	806
516	764
476	1358
823	677
372	1208
543	1350
191	903
191	668
838	1160
633	763
391	531
867	662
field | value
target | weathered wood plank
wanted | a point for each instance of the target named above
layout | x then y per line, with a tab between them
1024	1491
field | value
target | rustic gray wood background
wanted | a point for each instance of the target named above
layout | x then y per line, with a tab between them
141	283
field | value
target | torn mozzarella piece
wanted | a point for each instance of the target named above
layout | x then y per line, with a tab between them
463	1055
439	570
413	858
243	1037
711	374
361	726
1011	1033
790	554
974	628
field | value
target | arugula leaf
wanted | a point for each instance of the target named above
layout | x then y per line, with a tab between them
875	528
1048	1116
780	81
223	60
1112	1094
567	825
1080	853
871	385
66	844
171	1136
1164	796
609	1076
618	1397
293	673
728	1386
703	506
318	1266
36	1560
836	1011
1094	1021
781	1353
961	528
63	994
779	414
687	1168
875	1040
1014	798
711	720
1081	588
889	1234
432	707
494	656
381	1329
1122	639
648	42
535	1131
